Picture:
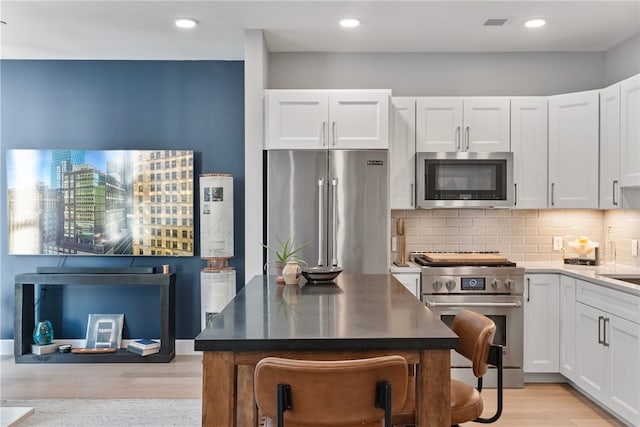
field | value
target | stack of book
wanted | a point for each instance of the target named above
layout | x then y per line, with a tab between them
143	347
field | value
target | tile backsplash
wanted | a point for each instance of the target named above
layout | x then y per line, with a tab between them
521	235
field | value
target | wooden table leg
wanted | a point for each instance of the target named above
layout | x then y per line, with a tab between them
218	389
433	392
247	411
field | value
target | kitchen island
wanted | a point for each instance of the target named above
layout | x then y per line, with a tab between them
358	316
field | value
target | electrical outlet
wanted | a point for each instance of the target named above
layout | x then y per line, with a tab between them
634	247
557	243
394	244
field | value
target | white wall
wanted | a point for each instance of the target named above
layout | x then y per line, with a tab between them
623	60
433	74
256	60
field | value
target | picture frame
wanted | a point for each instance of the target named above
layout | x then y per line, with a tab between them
104	330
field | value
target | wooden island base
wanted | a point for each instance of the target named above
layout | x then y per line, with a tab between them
360	316
231	374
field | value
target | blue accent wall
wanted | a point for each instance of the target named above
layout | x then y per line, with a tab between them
102	105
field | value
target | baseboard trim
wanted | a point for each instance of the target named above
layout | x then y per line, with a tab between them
183	347
551	377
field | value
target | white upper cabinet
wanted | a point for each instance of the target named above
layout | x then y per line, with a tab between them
610	147
462	124
439	124
319	119
487	124
297	119
630	131
529	146
573	150
402	153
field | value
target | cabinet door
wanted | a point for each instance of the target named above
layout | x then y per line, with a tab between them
402	153
529	146
568	326
541	323
439	124
610	147
359	120
630	131
486	125
411	281
297	119
591	356
623	339
573	150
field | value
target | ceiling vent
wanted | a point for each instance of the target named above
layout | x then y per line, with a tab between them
495	22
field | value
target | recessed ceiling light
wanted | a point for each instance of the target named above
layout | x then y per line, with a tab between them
185	22
349	22
535	23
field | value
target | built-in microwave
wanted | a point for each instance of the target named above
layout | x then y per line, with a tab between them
464	179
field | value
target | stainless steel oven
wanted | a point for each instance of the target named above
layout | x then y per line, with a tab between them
494	291
464	179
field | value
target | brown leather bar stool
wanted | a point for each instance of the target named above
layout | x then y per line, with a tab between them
475	333
345	393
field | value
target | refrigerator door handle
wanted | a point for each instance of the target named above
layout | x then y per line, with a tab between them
334	219
320	221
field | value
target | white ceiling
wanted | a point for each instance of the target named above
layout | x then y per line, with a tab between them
144	30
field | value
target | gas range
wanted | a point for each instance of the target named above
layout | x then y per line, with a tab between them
484	282
469	273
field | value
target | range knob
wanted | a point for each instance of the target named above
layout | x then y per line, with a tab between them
508	283
437	284
451	284
495	283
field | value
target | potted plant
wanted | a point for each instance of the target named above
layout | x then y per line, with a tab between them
287	251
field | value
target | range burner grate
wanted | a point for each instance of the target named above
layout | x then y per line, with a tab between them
429	259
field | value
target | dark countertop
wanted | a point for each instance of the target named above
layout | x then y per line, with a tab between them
358	312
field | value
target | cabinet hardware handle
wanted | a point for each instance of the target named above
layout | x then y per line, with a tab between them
600	319
615	185
515	194
467	132
604	332
528	289
334	133
324	134
458	138
553	186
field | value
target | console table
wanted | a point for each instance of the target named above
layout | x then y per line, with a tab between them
24	320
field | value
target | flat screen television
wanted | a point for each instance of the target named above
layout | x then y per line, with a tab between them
100	202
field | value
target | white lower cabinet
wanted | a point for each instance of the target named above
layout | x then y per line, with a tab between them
568	327
411	281
608	354
541	319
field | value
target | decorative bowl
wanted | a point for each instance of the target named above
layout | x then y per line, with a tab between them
321	274
583	248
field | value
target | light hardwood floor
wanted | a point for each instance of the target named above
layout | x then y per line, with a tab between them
535	405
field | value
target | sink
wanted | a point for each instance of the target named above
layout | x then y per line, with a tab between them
629	278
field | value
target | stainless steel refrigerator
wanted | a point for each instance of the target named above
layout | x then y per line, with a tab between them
336	199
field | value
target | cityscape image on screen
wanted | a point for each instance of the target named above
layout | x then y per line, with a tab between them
109	202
